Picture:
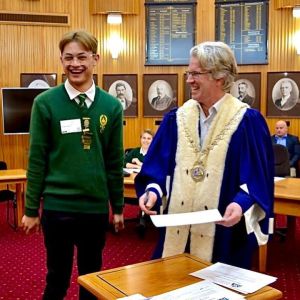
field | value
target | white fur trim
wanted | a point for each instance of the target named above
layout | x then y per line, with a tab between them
271	225
188	195
155	186
252	217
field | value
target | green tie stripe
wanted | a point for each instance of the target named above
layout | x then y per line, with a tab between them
81	98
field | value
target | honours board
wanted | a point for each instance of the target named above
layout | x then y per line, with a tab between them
170	33
243	26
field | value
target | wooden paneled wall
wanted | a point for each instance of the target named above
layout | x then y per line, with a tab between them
34	49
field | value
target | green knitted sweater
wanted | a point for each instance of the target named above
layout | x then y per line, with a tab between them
66	176
134	153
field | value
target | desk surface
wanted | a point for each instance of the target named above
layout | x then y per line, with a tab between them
12	175
288	188
130	179
154	277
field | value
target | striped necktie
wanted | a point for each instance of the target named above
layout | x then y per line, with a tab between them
81	98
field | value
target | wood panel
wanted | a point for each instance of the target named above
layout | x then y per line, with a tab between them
33	49
286	3
125	7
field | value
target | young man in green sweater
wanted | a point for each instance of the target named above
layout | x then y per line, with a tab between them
75	167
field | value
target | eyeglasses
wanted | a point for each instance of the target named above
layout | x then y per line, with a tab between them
194	74
82	58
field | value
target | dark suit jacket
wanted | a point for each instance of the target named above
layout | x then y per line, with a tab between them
292	144
287	105
248	99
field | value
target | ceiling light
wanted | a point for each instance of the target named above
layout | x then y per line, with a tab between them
296	12
114	18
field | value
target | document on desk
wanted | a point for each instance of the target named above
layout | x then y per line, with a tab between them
278	178
130	171
238	279
203	290
197	217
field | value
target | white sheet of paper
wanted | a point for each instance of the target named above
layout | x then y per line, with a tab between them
133	297
203	290
130	171
238	279
197	217
278	178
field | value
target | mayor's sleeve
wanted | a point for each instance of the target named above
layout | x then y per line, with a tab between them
159	162
256	192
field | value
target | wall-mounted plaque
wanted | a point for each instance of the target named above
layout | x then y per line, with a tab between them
170	32
243	26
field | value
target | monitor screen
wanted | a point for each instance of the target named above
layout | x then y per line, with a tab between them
16	109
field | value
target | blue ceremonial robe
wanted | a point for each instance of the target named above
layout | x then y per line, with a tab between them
249	161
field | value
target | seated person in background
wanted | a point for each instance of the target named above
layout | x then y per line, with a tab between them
282	137
134	159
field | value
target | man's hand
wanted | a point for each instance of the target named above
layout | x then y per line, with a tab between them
232	216
30	224
118	222
147	201
137	162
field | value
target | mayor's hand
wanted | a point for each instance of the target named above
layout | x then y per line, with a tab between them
147	201
232	215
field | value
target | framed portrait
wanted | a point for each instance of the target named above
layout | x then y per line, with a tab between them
95	78
246	88
186	89
124	88
283	94
160	94
38	80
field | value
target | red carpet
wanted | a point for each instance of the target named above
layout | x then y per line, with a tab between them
22	259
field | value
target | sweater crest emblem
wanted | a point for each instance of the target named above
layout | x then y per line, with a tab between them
103	121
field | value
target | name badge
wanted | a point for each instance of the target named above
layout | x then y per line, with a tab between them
70	126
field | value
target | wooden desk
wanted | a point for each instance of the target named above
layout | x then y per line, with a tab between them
17	177
129	189
154	277
286	202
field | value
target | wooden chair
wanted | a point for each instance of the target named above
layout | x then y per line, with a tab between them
281	159
9	197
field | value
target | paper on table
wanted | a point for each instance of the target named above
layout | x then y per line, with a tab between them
197	217
278	178
130	171
134	297
238	279
203	290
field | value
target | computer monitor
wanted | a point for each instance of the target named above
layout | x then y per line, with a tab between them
16	108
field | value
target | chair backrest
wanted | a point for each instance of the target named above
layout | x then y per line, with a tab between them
3	165
127	150
281	159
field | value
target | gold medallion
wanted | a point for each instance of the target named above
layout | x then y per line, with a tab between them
197	172
86	137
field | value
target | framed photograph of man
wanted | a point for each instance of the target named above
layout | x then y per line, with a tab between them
95	78
124	88
38	80
246	88
283	94
160	94
186	89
